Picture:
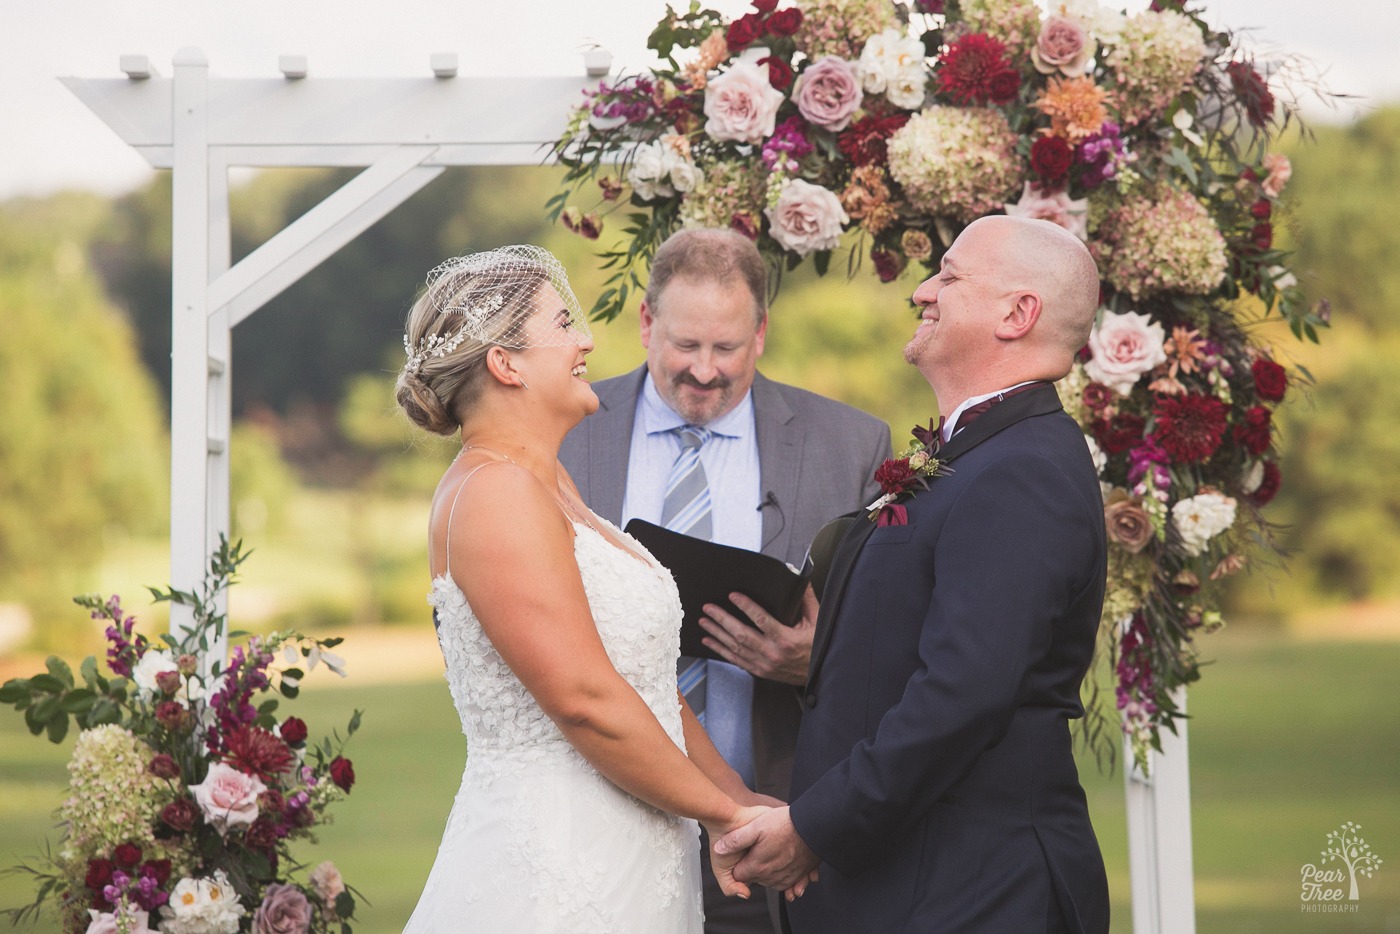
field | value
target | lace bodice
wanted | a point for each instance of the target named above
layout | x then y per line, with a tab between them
636	609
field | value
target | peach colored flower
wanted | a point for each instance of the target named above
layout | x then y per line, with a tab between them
1127	523
1056	207
1075	107
1280	170
712	52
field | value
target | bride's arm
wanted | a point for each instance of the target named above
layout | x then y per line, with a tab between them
707	758
513	556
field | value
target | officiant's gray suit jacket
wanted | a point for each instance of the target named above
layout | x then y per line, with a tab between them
817	460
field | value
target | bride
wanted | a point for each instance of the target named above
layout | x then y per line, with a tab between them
586	772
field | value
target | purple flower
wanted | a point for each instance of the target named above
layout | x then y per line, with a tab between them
786	146
1102	154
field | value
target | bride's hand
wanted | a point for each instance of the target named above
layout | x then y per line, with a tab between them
723	865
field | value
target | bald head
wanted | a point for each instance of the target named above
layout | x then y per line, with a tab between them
1043	257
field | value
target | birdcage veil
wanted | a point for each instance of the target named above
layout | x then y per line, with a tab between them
501	296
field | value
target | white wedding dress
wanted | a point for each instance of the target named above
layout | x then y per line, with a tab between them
537	840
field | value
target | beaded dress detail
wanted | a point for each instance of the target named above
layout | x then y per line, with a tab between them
538	841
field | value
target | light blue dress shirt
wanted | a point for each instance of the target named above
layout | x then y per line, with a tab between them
730	456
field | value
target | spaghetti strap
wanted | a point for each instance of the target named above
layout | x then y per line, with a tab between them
453	511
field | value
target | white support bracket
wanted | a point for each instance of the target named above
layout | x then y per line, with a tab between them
313	237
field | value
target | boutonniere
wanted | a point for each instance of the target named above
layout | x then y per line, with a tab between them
908	472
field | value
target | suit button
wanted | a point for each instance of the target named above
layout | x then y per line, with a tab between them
810	700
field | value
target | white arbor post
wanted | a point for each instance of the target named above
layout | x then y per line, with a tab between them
1159	835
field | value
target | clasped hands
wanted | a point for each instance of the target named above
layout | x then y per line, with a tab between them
767	850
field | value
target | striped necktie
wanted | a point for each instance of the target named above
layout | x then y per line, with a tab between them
687	505
687	509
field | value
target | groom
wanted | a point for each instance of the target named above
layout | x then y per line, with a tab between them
934	782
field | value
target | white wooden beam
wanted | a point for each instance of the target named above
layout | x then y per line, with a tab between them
311	238
189	327
1159	836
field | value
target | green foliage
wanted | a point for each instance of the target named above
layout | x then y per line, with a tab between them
82	447
1346	239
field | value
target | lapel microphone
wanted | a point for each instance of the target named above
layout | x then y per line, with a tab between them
769	499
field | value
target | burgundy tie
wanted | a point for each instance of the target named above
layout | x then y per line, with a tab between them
974	412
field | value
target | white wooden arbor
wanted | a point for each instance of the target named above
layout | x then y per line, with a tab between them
404	132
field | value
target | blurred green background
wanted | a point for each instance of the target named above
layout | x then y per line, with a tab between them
1295	730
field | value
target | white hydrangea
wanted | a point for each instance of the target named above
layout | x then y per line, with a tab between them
1201	518
1104	23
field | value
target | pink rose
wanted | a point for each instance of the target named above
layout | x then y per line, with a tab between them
1055	207
828	93
227	797
327	882
741	105
1064	46
1280	170
1125	346
284	910
806	218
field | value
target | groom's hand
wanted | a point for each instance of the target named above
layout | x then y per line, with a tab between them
772	651
773	854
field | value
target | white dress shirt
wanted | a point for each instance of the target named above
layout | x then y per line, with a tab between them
950	424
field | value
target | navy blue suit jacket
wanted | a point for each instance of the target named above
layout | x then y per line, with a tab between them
934	774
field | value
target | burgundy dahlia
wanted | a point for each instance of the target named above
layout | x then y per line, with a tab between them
865	141
180	814
894	475
1190	426
254	751
973	70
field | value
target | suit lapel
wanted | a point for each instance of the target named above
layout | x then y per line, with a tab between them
610	444
1041	401
780	447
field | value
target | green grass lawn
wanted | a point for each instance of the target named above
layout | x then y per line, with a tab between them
1288	741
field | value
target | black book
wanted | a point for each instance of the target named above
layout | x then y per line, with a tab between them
708	573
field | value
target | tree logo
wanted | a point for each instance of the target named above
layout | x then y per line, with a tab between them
1322	887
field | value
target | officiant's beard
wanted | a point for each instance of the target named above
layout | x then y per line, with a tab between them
701	409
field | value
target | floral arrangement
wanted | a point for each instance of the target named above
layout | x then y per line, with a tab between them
186	790
907	473
887	127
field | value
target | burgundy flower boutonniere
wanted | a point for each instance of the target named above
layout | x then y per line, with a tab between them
906	473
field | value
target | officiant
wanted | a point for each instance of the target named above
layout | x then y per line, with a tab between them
698	441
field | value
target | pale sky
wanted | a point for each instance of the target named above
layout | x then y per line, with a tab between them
48	140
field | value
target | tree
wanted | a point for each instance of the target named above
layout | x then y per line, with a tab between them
81	444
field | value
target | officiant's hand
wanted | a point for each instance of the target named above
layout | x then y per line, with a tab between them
772	651
773	853
723	865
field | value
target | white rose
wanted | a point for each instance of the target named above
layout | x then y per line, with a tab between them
154	662
871	68
806	218
1125	346
648	172
906	88
1201	518
685	176
741	105
1252	478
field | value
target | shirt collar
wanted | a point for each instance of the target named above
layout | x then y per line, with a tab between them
658	417
950	424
